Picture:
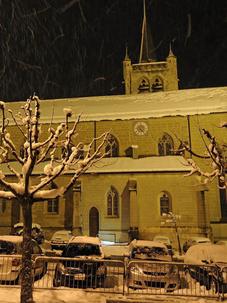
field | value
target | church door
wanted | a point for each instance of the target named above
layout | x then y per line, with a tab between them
93	222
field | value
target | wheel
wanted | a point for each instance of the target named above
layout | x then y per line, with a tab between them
18	280
212	286
44	270
187	275
56	281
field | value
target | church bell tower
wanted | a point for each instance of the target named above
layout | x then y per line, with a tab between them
149	75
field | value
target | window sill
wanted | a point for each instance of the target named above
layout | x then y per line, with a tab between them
51	214
108	216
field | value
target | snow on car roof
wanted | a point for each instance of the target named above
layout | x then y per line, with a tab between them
210	252
200	239
62	232
86	239
11	238
147	243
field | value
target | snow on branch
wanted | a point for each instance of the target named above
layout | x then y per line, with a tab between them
215	153
74	159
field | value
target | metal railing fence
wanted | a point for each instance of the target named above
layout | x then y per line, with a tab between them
90	274
121	277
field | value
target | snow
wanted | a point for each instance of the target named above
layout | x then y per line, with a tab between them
121	164
14	239
81	296
139	106
147	164
213	253
86	239
147	243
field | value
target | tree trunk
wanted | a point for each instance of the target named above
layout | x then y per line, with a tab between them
26	272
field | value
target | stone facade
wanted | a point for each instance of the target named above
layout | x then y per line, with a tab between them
139	186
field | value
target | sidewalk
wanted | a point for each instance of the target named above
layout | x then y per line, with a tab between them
12	295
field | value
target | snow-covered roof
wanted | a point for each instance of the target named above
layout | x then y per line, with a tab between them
123	165
147	164
139	106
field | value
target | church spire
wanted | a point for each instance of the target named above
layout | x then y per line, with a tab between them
146	47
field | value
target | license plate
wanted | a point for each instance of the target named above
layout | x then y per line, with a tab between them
79	277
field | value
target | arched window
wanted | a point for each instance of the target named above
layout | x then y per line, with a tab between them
157	85
144	86
165	203
112	202
165	145
112	147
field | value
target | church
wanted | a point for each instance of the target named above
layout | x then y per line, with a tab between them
128	193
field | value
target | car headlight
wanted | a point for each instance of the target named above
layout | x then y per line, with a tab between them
101	270
174	269
135	270
224	276
62	268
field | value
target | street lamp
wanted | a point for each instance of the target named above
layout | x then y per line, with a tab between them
172	218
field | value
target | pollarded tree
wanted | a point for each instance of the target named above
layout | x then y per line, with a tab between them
215	154
36	151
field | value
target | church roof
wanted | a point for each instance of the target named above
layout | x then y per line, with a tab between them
121	165
141	165
138	106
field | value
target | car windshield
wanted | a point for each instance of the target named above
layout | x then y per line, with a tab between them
62	236
81	249
7	248
149	252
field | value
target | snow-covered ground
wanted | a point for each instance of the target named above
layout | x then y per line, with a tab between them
12	295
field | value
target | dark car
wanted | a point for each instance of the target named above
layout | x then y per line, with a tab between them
165	240
207	264
82	264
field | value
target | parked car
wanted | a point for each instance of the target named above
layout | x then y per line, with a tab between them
86	266
60	239
159	272
195	240
166	241
11	259
37	232
222	242
207	264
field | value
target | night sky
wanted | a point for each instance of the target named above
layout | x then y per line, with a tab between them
70	48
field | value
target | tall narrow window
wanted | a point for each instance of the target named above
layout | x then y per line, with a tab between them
112	202
165	203
165	145
53	206
112	147
2	205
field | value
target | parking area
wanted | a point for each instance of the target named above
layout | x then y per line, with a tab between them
133	278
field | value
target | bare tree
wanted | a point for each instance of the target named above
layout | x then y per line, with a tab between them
35	152
214	153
